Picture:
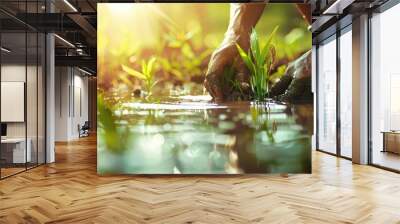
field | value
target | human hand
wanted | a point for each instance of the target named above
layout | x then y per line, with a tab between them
224	57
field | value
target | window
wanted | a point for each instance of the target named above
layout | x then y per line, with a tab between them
346	93
326	93
385	89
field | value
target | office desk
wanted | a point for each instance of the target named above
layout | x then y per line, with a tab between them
15	148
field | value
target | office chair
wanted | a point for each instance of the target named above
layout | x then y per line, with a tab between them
84	130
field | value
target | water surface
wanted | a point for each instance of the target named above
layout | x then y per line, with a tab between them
192	135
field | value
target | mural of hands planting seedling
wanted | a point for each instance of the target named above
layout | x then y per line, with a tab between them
259	61
204	88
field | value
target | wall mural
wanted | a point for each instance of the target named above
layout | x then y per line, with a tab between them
204	88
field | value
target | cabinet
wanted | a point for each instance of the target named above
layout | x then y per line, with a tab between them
391	141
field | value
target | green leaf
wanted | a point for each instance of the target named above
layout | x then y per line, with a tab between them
125	79
246	59
177	73
166	65
144	68
133	72
187	51
150	66
154	83
255	47
203	55
265	50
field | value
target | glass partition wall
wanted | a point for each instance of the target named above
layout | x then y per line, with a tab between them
385	89
326	96
345	92
334	94
22	98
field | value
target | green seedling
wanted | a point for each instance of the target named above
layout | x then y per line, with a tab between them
259	61
147	74
230	80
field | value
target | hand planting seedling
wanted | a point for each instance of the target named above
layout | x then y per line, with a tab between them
259	61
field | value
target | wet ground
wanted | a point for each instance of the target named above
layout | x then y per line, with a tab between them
192	135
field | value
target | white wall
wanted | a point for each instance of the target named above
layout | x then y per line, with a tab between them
62	81
80	110
16	73
71	94
12	73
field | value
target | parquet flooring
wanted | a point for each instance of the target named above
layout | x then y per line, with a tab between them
70	191
10	171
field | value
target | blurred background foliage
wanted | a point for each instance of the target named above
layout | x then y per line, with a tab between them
182	38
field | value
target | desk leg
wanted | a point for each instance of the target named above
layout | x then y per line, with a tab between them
384	143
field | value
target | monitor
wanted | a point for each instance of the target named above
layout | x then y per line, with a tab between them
3	129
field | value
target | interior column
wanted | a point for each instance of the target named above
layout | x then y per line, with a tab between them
360	90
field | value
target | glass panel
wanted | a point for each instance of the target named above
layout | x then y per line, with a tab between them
23	90
327	96
31	97
346	94
385	89
41	99
13	86
32	88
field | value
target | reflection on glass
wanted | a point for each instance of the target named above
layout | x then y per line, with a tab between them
327	96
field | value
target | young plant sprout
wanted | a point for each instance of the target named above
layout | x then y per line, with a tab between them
147	74
229	80
259	61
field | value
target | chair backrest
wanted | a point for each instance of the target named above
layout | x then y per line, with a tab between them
86	125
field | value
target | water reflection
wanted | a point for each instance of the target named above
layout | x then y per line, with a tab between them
191	135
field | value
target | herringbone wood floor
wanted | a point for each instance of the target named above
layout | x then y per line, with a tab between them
70	191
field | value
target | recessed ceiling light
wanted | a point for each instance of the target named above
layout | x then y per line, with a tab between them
5	50
337	7
64	40
84	71
70	5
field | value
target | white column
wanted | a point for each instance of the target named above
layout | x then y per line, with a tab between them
50	92
360	90
50	99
